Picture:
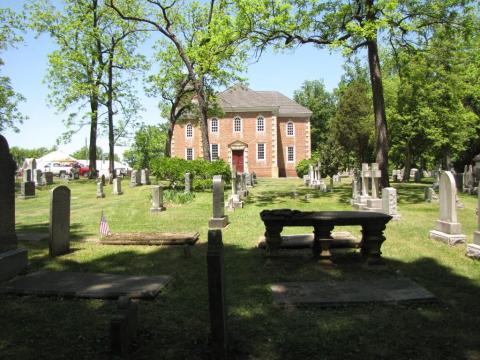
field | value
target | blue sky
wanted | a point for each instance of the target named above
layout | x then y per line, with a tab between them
26	66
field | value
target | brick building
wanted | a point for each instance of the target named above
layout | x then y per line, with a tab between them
261	131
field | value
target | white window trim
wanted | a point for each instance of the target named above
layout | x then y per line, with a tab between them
218	126
256	124
264	152
193	131
211	152
286	152
241	124
186	153
293	128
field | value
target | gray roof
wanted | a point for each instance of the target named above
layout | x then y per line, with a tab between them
241	98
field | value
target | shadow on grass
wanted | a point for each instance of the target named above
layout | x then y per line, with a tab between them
176	324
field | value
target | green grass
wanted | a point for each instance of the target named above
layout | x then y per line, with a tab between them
175	325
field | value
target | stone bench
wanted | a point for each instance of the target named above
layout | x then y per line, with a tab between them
373	224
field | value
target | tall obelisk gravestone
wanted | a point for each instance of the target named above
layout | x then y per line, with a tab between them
12	259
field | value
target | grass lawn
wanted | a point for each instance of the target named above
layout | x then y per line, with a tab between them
175	325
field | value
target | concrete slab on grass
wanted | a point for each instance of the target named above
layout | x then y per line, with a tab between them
341	293
86	285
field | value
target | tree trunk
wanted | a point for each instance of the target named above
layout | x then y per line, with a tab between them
407	166
92	152
381	133
168	141
111	139
202	104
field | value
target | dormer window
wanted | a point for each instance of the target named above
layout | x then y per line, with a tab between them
290	129
189	131
214	125
237	124
260	124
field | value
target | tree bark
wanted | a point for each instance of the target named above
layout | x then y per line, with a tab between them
92	152
202	104
111	139
407	166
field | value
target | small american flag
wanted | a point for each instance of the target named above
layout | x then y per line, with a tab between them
104	228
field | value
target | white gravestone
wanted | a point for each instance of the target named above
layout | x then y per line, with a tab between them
473	250
389	199
374	203
448	229
117	186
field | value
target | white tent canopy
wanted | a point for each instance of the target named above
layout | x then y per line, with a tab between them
56	156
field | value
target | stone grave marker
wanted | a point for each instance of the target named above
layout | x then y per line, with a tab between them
27	175
243	185
188	182
48	178
123	327
254	178
430	195
157	199
100	194
102	180
117	186
27	189
216	295
59	229
234	201
473	250
145	177
389	200
12	260
374	203
219	219
37	178
448	228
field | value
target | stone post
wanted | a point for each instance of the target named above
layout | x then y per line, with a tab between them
389	199
123	327
100	193
216	295
218	219
188	182
145	177
59	240
365	175
157	199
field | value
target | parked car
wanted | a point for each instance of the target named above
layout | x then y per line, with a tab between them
59	169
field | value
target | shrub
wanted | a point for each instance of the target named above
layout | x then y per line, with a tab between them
174	169
177	197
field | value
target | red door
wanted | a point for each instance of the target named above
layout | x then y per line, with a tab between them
237	160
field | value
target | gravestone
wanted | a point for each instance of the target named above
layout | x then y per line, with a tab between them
430	195
59	229
361	200
102	180
100	194
188	182
123	326
37	178
243	185
306	180
145	177
473	250
218	219
234	201
27	189
216	295
27	175
117	186
12	260
157	199
135	179
48	175
374	203
254	177
389	199
448	228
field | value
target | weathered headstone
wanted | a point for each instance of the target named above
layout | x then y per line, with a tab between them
216	295
27	175
243	185
145	177
157	199
361	200
219	219
134	178
27	189
306	180
59	229
38	178
100	194
374	203
117	186
48	178
102	180
188	182
254	177
389	199
234	201
123	327
448	230
12	260
430	195
473	250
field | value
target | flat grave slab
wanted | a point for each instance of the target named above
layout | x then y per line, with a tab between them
31	236
152	238
341	293
342	239
86	285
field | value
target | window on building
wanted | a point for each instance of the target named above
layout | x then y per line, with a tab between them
189	154
214	125
237	124
189	131
290	129
260	124
260	151
214	151
290	154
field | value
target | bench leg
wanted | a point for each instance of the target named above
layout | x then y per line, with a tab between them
187	251
321	241
372	239
273	239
